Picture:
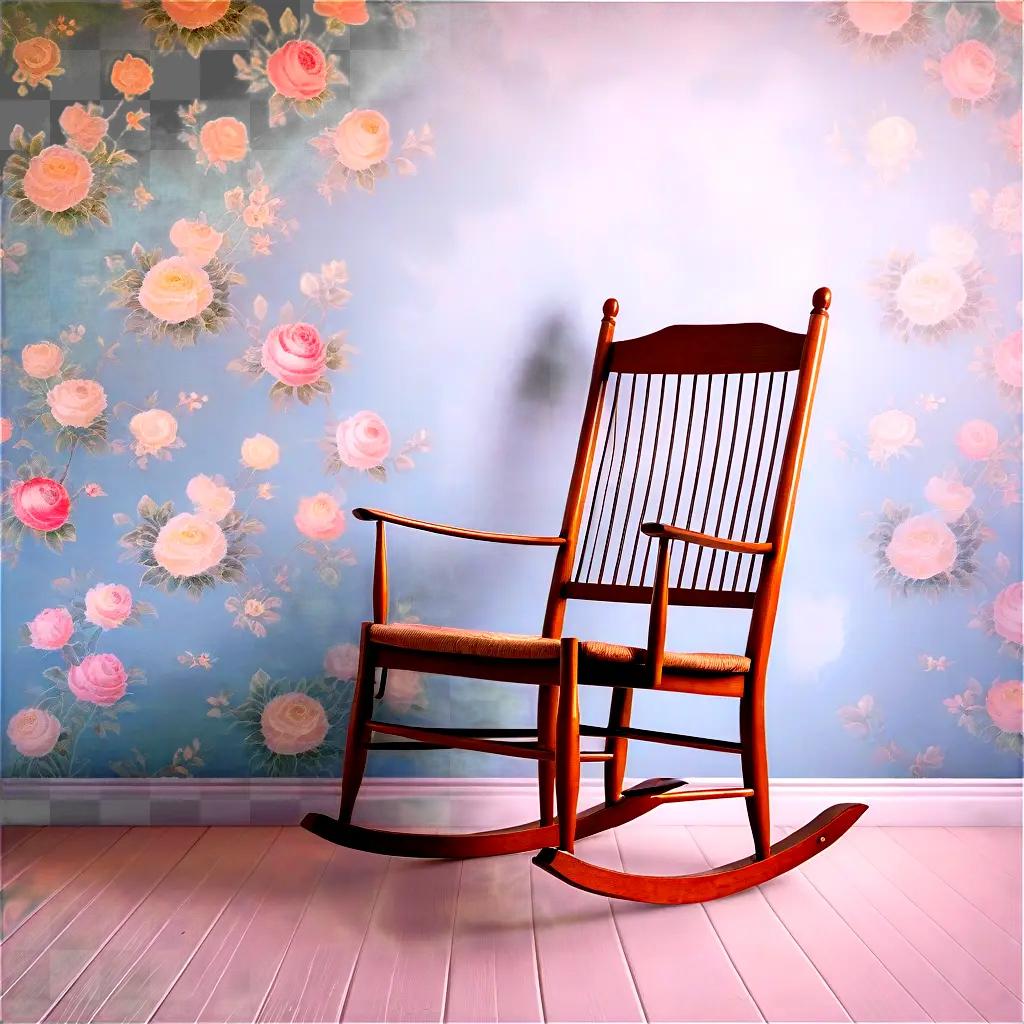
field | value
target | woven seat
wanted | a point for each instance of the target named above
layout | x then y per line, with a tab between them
483	644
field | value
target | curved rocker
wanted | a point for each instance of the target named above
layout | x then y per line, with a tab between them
634	802
785	855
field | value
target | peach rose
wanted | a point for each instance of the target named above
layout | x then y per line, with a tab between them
977	439
1006	613
42	360
260	452
131	76
363	440
36	58
889	433
1005	212
6	429
40	503
194	14
349	12
99	679
953	244
404	689
1006	358
1011	11
968	71
950	497
930	292
891	142
84	130
57	179
362	139
76	403
224	140
922	547
175	290
33	731
153	430
320	518
209	497
293	723
189	545
1003	702
295	354
879	17
108	604
196	240
51	629
342	661
298	70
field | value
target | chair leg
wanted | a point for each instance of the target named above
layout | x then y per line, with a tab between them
356	748
547	702
754	756
618	718
567	746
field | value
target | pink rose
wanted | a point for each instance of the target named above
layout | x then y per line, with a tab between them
33	731
76	403
1005	213
878	17
890	433
1006	357
922	547
188	545
6	429
1006	613
293	723
950	497
57	179
341	661
51	629
320	518
212	499
193	14
83	129
404	689
224	140
968	71
40	503
363	440
1011	11
175	290
977	439
295	354
1010	130
196	240
298	70
349	12
362	139
100	679
108	604
42	360
1003	702
153	430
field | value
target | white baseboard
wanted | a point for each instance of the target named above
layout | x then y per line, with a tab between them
480	803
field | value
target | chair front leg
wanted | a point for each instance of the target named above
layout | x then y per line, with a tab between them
618	718
356	747
567	744
547	702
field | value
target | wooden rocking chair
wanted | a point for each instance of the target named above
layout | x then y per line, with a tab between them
700	445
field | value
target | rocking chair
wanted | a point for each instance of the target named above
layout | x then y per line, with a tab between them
700	448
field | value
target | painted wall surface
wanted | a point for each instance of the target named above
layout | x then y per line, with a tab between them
263	265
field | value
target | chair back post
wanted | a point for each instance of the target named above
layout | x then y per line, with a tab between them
766	604
554	614
380	576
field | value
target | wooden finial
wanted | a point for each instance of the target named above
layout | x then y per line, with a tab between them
822	300
611	308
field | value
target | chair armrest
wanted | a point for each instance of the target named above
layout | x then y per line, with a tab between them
377	515
670	532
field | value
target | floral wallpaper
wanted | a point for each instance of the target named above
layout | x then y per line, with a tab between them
263	263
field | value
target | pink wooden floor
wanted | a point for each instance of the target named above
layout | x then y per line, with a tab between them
269	924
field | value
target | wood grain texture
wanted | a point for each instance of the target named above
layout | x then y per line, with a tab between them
315	974
493	973
148	981
710	989
584	973
993	848
12	836
127	883
402	971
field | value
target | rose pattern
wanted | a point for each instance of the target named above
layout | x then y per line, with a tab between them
1003	702
348	12
99	679
362	139
295	354
1007	613
212	499
298	70
36	58
76	403
41	503
175	290
190	544
196	240
33	731
977	439
260	452
320	517
922	547
224	140
293	723
363	440
84	130
153	430
107	605
969	71
57	179
51	629
42	360
341	661
195	14
131	76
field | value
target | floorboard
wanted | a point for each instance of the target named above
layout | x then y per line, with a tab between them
993	848
12	836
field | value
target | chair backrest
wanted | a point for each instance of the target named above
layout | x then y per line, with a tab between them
702	427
